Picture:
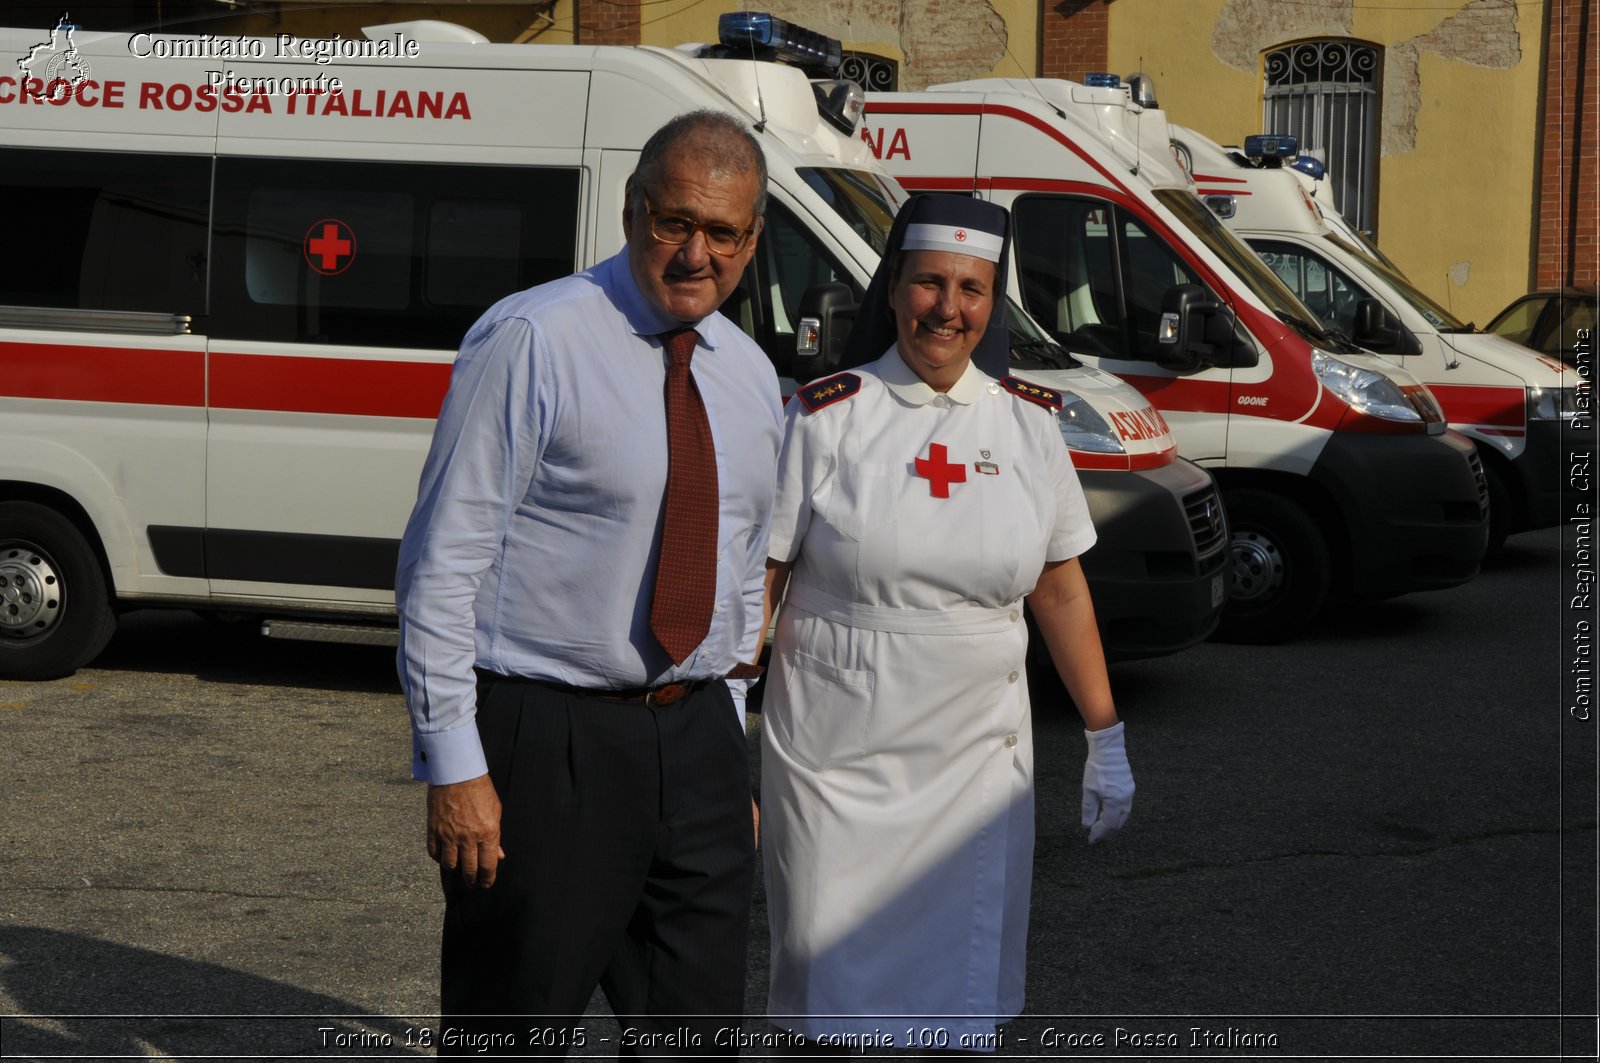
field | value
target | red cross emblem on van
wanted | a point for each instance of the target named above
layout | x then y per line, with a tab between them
330	246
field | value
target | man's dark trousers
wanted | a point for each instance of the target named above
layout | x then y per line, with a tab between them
629	865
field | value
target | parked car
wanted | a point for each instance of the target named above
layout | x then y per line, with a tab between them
1548	321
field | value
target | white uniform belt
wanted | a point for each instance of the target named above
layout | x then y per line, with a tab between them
961	620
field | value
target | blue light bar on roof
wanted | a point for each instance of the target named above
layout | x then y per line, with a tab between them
1102	81
1264	146
1311	167
757	30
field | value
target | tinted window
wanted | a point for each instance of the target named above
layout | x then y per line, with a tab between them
381	254
1575	315
1151	268
1327	291
100	230
1517	322
1067	268
789	259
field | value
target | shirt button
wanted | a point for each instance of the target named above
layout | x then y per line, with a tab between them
1012	678
1013	616
1011	741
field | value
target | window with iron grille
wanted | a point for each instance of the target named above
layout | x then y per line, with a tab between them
1325	92
872	72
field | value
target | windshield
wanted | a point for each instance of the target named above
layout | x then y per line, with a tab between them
1437	316
1364	241
1244	262
857	196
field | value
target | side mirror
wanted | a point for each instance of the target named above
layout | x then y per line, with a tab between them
1193	329
827	313
1377	329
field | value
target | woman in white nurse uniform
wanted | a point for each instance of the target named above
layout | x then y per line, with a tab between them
921	501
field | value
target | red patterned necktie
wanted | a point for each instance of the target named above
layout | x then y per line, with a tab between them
686	575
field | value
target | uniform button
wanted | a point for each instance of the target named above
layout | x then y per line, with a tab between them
1011	741
1013	615
1012	678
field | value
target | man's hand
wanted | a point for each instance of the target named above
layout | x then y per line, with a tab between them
464	830
755	814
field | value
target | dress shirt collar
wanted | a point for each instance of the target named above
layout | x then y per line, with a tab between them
907	386
643	316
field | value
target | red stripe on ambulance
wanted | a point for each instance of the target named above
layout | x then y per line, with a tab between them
139	375
349	386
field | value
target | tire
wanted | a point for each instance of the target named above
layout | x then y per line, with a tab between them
1502	510
55	612
1280	569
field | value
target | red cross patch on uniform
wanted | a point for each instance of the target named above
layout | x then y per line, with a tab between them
1049	398
819	393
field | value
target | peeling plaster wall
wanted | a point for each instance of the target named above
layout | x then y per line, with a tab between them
1246	28
934	40
1459	109
1483	33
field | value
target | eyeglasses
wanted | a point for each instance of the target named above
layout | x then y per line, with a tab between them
722	240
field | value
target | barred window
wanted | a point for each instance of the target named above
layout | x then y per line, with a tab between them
1325	92
872	72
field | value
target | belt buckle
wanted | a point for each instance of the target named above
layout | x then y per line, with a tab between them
667	694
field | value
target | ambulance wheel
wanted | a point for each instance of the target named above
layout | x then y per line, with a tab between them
1500	506
55	613
1279	568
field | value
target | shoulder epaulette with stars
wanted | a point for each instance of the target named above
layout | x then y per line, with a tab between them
819	393
1049	398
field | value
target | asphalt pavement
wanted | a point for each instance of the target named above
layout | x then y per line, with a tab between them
1376	841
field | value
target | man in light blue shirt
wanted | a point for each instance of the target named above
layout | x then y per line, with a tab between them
588	800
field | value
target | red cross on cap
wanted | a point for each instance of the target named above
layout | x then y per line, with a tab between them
961	234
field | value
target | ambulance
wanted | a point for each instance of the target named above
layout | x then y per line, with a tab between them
1337	468
240	268
1511	402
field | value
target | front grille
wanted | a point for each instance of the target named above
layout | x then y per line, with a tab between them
1207	524
1483	481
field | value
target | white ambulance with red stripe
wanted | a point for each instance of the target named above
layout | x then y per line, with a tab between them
240	269
1337	469
1511	402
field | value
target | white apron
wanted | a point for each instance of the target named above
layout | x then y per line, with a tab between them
897	770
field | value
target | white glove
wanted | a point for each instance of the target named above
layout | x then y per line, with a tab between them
1107	783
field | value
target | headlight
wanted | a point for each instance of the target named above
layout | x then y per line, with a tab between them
1083	428
1552	404
1367	391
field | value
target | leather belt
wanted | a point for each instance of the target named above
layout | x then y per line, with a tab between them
665	694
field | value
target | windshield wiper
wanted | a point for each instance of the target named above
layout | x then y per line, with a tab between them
1043	354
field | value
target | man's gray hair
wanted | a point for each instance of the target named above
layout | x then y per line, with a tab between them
721	144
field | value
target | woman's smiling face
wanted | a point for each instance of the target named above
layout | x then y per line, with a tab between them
941	302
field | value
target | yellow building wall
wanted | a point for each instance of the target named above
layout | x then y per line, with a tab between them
932	40
1460	99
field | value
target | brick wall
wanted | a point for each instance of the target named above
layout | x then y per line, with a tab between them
606	21
1568	242
1075	38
